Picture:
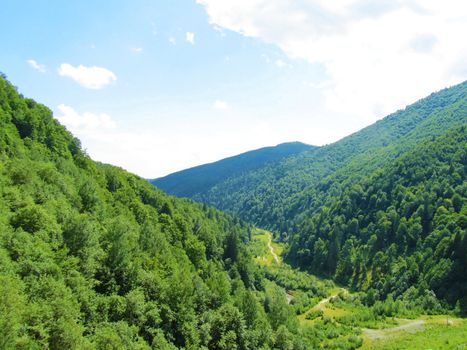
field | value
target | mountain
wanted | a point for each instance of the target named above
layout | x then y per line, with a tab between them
277	195
193	182
399	229
382	210
93	257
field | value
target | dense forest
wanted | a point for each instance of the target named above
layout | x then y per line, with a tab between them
382	210
277	196
195	181
93	257
400	231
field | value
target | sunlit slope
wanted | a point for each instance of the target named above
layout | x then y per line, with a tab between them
93	257
275	196
195	182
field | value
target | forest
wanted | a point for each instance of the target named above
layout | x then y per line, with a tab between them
93	257
399	232
200	179
381	211
368	231
279	195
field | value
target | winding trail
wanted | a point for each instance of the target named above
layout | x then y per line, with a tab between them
274	255
321	303
289	296
324	301
411	326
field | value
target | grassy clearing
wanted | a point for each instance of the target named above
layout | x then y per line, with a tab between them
263	254
434	334
343	320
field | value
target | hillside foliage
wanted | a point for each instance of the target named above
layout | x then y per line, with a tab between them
400	231
194	182
277	196
382	210
93	257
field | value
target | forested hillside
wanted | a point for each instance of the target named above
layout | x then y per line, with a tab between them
197	181
277	196
93	257
400	230
382	210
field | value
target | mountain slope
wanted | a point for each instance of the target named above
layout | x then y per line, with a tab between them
382	210
400	231
93	257
278	195
195	181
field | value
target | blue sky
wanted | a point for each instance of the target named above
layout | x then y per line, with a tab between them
157	86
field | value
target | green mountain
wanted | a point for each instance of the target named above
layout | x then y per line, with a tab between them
277	195
377	205
196	181
399	230
93	257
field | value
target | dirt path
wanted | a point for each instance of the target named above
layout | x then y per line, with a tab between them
324	301
274	255
329	298
410	326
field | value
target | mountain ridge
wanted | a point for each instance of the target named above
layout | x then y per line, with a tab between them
205	176
286	183
322	202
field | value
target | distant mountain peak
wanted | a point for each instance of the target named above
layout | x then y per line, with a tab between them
198	179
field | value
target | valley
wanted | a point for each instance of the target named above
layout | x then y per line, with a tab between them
365	247
382	211
233	175
395	332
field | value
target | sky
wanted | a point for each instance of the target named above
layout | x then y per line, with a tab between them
157	86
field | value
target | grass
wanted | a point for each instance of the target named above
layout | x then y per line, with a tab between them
278	249
263	254
434	335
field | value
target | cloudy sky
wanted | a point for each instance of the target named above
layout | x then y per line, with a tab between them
157	86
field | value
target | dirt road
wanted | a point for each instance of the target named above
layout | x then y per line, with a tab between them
274	255
410	326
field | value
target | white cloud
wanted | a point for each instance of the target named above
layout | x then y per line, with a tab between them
108	142
281	64
37	66
221	105
172	40
379	56
137	49
190	37
89	77
277	62
85	122
220	30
